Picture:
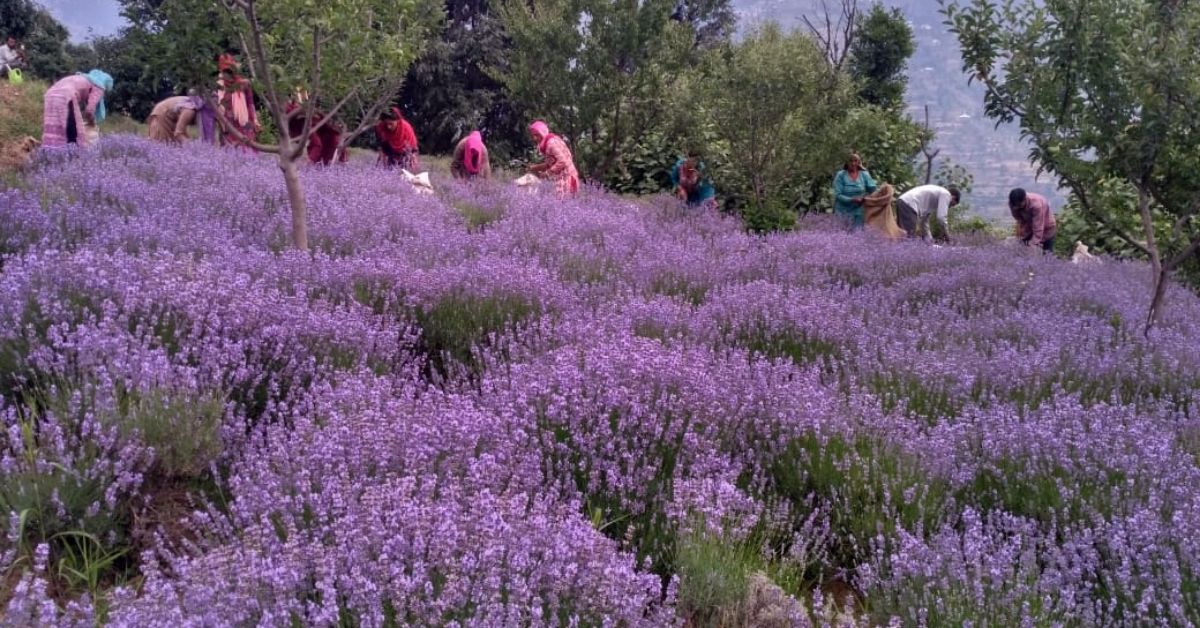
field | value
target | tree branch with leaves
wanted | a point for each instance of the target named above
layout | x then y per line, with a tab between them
1101	89
341	52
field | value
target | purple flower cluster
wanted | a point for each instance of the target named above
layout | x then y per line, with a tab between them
489	408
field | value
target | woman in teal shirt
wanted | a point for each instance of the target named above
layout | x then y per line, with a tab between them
850	186
690	182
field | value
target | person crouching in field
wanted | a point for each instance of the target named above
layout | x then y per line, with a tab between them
397	141
71	105
12	57
170	119
471	158
916	207
557	164
1035	221
690	183
323	143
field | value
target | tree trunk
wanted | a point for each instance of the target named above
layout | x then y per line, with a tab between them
1156	261
291	177
614	149
1161	277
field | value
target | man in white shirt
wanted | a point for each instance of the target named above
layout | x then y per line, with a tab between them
915	207
11	56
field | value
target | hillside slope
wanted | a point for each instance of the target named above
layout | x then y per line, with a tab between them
492	408
996	156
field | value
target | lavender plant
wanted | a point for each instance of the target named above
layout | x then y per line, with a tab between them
484	407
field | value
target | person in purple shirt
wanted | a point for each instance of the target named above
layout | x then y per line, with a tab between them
1035	221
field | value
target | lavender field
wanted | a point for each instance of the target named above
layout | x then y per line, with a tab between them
485	408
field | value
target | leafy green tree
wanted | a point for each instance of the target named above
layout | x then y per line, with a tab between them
776	106
712	21
879	56
1106	92
601	72
174	43
349	55
44	38
887	141
449	90
127	56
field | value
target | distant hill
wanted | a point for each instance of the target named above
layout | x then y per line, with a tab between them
996	157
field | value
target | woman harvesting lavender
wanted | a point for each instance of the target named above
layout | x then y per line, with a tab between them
72	104
851	186
558	165
691	183
471	158
397	141
170	119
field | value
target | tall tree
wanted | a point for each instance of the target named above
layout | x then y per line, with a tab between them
129	57
774	102
599	71
879	56
449	90
1106	92
347	54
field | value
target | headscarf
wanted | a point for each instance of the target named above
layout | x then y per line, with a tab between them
208	121
690	175
541	128
101	79
403	138
473	159
226	62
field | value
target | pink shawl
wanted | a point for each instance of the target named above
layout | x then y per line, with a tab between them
473	160
541	128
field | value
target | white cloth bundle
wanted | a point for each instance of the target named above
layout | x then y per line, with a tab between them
92	132
529	183
1082	256
420	182
527	180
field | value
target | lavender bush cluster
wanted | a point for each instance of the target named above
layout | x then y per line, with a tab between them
487	408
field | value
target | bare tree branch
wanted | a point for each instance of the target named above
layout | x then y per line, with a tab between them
929	155
259	57
367	121
1081	193
1183	256
336	108
835	36
236	132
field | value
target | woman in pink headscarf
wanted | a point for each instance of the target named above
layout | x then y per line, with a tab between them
471	158
558	165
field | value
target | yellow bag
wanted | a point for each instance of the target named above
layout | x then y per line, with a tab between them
14	76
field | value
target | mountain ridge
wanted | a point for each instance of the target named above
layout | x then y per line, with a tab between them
996	156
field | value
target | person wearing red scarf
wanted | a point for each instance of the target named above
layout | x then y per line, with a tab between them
397	141
322	143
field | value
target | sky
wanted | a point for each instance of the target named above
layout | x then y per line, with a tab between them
87	18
